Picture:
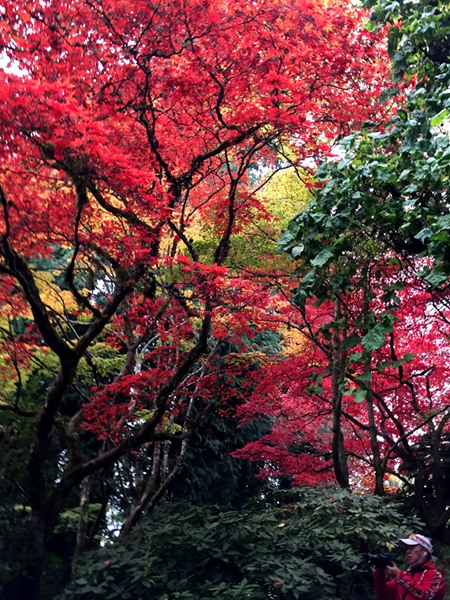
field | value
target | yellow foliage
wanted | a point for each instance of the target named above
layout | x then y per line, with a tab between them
285	194
293	341
58	300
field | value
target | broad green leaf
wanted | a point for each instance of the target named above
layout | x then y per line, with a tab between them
297	250
439	118
364	377
376	337
352	340
322	258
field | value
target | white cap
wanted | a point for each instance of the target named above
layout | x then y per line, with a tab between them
415	539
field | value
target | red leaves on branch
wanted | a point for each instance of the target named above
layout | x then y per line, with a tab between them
407	378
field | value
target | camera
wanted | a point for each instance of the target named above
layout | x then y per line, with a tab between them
379	560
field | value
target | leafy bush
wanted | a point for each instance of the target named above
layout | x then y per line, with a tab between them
311	548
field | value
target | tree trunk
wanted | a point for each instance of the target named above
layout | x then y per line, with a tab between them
27	585
338	449
83	522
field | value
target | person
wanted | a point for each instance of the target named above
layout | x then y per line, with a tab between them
422	580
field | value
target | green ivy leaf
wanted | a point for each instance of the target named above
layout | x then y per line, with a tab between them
376	337
359	395
322	258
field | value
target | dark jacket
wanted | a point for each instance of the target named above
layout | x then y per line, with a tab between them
419	583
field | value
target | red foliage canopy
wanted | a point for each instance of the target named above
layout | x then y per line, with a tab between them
123	126
404	383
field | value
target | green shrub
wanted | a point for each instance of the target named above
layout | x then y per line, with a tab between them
312	548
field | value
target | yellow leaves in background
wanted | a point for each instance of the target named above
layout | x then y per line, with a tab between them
293	342
285	194
57	300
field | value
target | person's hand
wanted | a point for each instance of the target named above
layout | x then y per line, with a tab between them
392	570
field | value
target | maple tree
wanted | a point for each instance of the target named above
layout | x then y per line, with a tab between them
124	126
